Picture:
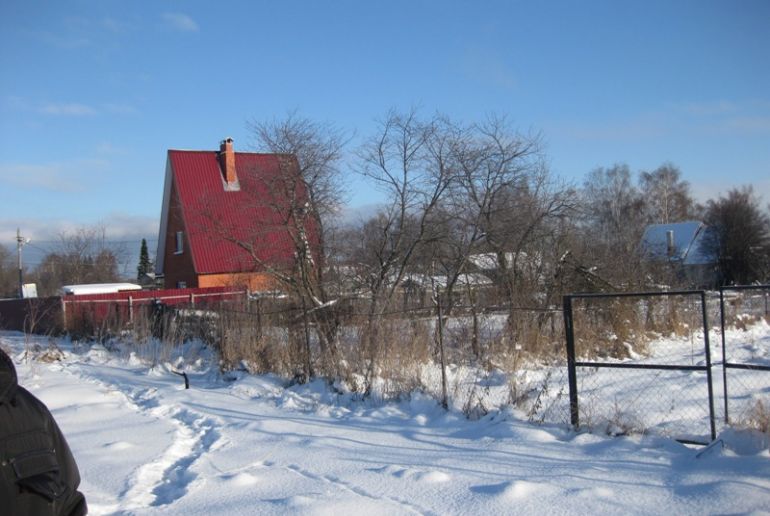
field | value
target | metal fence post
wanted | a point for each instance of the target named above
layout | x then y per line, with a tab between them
726	364
724	348
712	416
571	372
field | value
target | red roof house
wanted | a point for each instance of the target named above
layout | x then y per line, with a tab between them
228	218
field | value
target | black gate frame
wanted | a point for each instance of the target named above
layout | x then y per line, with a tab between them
729	365
573	363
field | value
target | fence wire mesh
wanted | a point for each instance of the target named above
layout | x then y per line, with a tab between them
641	363
640	360
497	355
664	402
746	364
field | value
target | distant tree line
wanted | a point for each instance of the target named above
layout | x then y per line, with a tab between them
9	276
453	190
83	255
472	222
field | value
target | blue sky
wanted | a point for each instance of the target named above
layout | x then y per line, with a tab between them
93	93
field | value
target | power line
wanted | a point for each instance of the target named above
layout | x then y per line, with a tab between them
139	241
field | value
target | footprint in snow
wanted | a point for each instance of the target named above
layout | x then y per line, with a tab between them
118	445
293	501
515	490
389	470
426	477
241	479
596	492
432	477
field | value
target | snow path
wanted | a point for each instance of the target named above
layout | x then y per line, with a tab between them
250	446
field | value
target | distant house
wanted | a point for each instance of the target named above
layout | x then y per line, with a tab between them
225	219
524	264
685	248
418	288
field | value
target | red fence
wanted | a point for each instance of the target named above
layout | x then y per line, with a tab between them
57	314
36	315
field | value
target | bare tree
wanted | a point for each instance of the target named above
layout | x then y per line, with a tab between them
305	196
408	160
504	201
612	224
666	195
453	190
84	256
741	236
9	274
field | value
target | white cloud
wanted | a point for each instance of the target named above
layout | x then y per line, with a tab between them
119	109
63	177
117	227
749	123
718	107
109	148
67	109
703	190
123	234
722	117
66	41
16	102
643	126
37	230
52	177
180	21
725	116
114	25
125	226
490	69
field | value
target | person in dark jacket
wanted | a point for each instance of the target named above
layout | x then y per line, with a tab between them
38	474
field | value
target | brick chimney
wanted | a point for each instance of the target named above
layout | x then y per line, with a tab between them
227	160
670	247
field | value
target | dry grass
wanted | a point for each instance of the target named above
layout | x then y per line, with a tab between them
270	336
758	417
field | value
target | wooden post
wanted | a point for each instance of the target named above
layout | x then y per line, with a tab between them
131	309
444	395
63	314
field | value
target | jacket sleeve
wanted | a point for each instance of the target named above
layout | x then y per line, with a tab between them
75	502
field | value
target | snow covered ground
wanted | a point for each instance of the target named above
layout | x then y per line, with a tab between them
245	444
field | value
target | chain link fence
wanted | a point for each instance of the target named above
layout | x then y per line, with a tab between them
746	364
634	362
641	362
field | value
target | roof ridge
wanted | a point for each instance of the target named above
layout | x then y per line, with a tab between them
236	152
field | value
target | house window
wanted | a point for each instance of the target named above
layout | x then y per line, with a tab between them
181	284
179	242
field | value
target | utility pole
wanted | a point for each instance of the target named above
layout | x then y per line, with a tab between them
20	241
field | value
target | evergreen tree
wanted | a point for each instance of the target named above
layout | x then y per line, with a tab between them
144	261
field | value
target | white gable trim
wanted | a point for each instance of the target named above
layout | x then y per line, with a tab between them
161	253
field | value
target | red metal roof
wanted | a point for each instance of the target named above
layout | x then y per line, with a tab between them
218	220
